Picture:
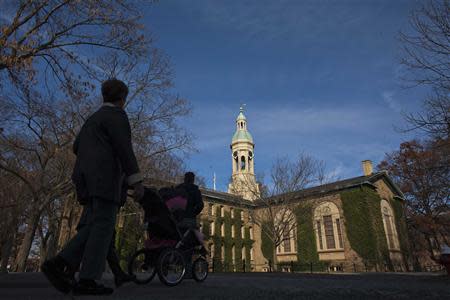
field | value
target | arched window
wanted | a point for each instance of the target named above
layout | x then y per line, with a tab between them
389	225
250	158
242	162
236	160
285	228
328	227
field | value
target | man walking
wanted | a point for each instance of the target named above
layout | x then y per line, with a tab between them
105	158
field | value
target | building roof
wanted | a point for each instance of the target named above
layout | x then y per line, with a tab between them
304	194
340	185
242	135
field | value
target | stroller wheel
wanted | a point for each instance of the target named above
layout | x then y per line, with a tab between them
141	265
200	269
171	267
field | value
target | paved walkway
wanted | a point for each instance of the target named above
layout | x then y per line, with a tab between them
258	286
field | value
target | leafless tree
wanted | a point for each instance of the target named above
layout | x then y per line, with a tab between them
52	56
276	218
427	60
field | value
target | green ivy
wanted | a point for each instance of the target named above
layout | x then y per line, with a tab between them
228	241
267	245
364	225
306	238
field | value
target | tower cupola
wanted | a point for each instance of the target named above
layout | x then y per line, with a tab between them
242	150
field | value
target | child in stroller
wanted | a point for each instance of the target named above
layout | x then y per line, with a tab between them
166	247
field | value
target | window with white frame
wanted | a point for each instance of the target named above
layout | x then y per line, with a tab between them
222	211
328	227
389	225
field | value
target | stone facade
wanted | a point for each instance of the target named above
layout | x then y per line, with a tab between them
328	222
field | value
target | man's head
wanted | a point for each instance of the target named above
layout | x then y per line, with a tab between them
114	91
189	177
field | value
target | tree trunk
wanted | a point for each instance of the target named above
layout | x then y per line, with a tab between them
25	246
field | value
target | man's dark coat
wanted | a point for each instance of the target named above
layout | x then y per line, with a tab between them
195	201
105	156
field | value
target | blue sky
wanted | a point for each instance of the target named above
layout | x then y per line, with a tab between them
320	77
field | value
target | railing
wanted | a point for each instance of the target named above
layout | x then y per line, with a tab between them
217	265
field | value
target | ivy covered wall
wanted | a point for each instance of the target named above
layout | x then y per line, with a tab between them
364	225
227	241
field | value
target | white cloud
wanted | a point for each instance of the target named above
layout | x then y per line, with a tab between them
389	99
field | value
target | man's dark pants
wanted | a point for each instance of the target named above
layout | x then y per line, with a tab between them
92	242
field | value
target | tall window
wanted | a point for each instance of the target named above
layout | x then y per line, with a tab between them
243	252
251	233
242	232
211	250
233	254
285	225
211	228
319	234
389	225
329	232
242	162
338	227
251	254
212	210
328	225
222	211
242	215
233	231
222	229
232	212
286	240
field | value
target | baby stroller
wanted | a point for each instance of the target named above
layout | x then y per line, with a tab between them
166	247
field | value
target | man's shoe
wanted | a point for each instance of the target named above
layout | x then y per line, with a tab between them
123	278
90	287
54	270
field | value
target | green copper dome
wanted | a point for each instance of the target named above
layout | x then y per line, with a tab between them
242	135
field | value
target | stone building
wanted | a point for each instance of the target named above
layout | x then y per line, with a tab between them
356	224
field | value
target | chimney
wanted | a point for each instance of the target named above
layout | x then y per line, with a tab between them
367	167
